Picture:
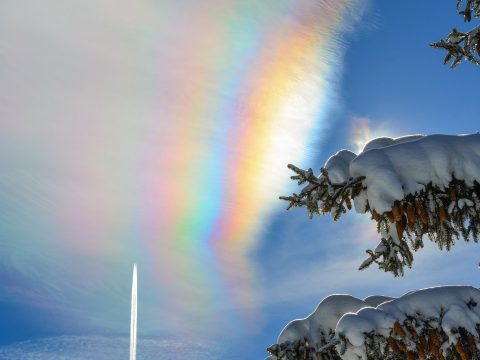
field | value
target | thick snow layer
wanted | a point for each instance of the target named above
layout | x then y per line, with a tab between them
338	165
394	168
375	300
456	306
353	326
318	325
382	142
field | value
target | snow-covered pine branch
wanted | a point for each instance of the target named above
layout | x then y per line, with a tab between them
434	323
412	186
462	45
333	197
313	338
471	6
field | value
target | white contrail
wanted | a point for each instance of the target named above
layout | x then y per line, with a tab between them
133	321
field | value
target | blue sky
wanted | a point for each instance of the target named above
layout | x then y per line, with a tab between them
387	82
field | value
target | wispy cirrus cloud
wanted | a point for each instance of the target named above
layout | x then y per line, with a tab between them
318	257
105	348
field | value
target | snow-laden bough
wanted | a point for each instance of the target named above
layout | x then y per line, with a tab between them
462	45
412	186
433	323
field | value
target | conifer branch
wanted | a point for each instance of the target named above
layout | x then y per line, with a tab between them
416	337
462	45
442	214
320	196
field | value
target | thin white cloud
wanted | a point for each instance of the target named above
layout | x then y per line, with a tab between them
104	348
327	263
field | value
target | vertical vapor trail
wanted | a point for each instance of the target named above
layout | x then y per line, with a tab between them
133	321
